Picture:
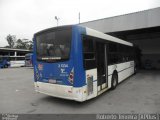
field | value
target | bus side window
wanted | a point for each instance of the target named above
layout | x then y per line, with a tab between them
113	53
126	53
88	53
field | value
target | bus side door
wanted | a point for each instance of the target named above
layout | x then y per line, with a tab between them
102	69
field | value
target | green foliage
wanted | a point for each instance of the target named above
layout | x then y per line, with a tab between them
11	40
19	44
24	44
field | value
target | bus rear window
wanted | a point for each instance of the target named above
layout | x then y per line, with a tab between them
54	45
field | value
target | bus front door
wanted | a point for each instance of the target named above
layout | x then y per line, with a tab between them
102	69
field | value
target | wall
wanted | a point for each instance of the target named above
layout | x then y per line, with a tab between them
150	51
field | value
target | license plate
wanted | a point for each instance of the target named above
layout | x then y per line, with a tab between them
52	81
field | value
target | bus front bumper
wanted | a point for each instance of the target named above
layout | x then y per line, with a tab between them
61	91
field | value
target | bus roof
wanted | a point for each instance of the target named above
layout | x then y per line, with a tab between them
54	28
91	32
14	49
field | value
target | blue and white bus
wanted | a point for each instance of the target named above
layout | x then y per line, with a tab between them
79	63
28	60
4	62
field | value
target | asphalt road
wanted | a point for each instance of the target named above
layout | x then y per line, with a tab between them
138	94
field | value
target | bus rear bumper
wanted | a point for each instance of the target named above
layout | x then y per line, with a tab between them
61	91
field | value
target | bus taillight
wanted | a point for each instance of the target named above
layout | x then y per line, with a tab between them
71	76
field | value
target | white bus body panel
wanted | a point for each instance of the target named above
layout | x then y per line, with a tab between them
18	63
62	91
80	93
124	70
68	92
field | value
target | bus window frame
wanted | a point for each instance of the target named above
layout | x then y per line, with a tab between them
85	61
53	30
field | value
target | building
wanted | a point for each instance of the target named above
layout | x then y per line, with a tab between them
141	28
16	56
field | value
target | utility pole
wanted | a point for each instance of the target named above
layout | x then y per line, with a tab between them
57	19
79	17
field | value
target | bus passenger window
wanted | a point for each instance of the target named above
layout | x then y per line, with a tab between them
113	54
88	53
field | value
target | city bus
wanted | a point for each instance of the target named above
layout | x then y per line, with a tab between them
79	63
4	62
17	61
28	60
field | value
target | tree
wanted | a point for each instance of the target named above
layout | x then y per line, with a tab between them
30	45
11	39
19	44
24	44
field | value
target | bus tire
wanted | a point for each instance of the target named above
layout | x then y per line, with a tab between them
135	70
114	81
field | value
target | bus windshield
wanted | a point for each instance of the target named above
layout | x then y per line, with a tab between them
28	56
53	45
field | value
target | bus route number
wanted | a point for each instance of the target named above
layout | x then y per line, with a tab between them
62	65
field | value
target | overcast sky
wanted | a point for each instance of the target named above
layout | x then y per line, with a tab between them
25	17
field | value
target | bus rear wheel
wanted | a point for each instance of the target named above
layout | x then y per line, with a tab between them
135	69
114	81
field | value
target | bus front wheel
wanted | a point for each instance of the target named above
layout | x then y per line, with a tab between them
114	81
